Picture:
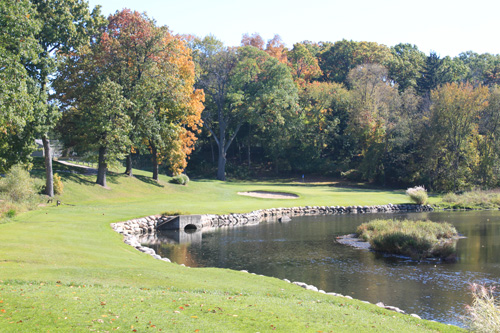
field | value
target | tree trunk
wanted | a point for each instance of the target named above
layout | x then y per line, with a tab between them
49	177
102	168
221	168
128	165
154	151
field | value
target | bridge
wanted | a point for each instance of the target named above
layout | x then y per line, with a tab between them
180	222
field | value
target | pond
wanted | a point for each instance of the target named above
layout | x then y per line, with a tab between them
305	250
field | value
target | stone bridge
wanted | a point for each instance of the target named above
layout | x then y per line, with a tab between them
181	222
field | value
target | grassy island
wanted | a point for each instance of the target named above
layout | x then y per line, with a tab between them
415	239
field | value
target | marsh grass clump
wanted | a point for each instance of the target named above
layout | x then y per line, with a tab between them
472	199
418	195
483	315
415	239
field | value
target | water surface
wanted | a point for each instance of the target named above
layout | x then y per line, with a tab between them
305	250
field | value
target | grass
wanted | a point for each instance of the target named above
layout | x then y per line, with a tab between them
476	199
484	313
64	269
415	239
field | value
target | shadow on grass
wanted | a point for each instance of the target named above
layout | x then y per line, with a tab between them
148	180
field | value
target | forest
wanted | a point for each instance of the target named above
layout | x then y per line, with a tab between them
124	89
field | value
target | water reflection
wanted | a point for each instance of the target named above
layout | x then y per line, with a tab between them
304	250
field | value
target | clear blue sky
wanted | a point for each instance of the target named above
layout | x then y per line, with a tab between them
445	26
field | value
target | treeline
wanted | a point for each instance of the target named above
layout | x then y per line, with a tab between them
125	88
361	110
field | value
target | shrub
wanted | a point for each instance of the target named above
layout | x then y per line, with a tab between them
18	186
58	184
10	213
418	195
483	315
181	179
416	239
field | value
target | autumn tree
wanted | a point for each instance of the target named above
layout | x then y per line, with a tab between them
254	40
170	107
276	49
303	64
374	99
489	141
451	154
155	75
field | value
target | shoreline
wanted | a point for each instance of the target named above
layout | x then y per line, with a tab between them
146	225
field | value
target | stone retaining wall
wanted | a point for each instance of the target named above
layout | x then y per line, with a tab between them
148	224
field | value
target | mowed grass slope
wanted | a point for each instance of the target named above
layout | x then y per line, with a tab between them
64	269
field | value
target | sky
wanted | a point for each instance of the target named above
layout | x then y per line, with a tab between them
447	27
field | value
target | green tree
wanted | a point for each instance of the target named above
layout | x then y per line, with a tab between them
243	85
99	122
66	26
338	59
405	66
17	44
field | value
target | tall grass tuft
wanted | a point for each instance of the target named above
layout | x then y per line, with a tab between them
181	179
418	195
483	315
415	239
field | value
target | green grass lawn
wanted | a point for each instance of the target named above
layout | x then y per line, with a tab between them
64	269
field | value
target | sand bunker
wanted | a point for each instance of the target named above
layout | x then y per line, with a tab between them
269	195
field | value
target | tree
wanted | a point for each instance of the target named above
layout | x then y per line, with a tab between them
101	123
374	100
405	66
303	64
338	59
324	107
170	107
241	85
66	25
254	40
276	49
17	102
451	156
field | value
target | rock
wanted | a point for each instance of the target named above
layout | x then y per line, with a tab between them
146	250
380	304
300	284
284	219
286	280
313	288
393	308
156	256
415	316
165	259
